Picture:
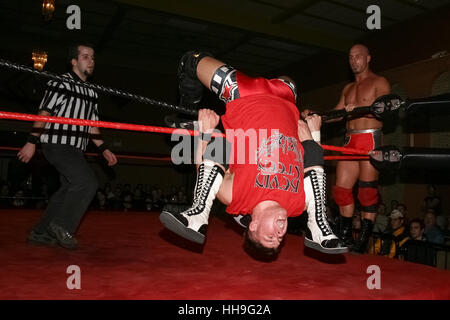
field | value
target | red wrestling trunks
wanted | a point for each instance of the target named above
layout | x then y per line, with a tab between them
365	140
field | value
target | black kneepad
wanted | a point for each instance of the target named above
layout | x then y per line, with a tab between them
188	63
312	154
191	89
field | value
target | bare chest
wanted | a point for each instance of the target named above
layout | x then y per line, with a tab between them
361	94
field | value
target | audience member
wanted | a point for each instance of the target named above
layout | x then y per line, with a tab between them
19	201
418	250
442	222
148	202
381	221
392	242
127	201
101	200
394	204
417	230
432	231
432	201
404	210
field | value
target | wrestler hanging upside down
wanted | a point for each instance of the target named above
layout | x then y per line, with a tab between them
286	175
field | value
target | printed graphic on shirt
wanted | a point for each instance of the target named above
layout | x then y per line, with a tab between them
274	173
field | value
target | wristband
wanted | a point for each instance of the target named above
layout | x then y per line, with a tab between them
104	146
316	136
33	139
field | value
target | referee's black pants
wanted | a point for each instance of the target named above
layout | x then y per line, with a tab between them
79	184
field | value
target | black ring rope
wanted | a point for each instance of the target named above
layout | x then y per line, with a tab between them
97	87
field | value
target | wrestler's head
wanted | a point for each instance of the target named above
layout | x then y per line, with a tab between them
359	58
267	229
81	58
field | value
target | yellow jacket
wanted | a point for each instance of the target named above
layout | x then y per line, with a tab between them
389	245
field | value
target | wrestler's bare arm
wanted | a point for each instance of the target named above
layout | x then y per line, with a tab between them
303	131
341	104
382	87
208	121
225	194
206	69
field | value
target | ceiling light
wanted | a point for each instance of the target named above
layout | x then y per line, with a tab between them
39	59
48	7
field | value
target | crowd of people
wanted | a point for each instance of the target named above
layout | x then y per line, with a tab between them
396	229
125	197
112	197
23	195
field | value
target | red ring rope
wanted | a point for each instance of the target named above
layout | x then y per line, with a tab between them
132	127
92	154
90	123
344	149
346	157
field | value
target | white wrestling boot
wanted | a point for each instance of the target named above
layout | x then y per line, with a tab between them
192	223
319	235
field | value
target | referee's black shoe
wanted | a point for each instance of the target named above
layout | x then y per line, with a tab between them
64	238
41	239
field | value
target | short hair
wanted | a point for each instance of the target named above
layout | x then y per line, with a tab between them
365	47
257	251
73	51
419	221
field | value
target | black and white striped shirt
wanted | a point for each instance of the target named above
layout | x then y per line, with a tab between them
63	99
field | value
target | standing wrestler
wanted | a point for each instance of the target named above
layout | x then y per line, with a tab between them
363	133
63	147
268	190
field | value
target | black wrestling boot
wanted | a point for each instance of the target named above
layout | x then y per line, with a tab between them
346	230
193	222
361	243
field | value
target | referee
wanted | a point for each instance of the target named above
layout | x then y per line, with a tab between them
63	146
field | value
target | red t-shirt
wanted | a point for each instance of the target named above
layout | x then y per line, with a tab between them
273	165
